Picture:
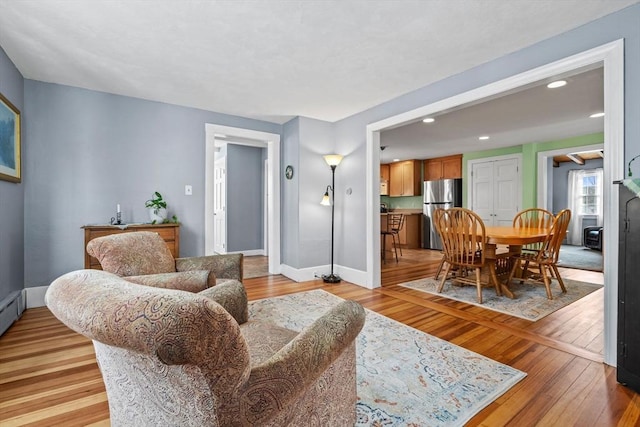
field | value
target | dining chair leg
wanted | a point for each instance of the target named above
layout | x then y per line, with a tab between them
444	278
494	279
439	268
478	286
546	279
395	246
560	282
398	236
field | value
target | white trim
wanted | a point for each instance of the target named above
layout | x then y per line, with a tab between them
472	162
35	296
272	143
612	55
252	252
543	169
314	273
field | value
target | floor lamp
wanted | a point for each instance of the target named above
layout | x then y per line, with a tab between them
332	160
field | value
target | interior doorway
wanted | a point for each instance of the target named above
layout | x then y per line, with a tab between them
249	137
611	57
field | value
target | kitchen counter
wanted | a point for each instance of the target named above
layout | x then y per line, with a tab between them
410	234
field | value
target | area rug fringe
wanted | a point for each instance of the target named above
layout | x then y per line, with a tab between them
405	377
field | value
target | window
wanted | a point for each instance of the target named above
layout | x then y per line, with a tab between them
589	194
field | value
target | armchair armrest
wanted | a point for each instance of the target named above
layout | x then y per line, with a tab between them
232	297
224	266
303	359
190	281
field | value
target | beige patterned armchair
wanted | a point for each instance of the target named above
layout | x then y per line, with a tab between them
171	358
143	257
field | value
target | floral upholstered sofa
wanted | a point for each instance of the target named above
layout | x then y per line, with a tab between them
143	257
175	358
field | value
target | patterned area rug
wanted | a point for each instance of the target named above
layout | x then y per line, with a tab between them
531	301
405	377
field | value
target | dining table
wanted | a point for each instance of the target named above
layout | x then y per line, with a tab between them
515	238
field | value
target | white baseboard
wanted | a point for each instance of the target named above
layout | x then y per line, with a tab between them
356	277
253	252
35	296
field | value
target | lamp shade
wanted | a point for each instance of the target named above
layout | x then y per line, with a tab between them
325	200
333	159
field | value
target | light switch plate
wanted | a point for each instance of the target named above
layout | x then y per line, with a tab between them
188	190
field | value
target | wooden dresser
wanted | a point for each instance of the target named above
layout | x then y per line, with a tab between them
169	232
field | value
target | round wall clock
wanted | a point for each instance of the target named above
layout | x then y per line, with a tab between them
288	172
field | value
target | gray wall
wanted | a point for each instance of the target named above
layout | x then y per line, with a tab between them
245	202
289	233
89	151
561	181
12	194
350	134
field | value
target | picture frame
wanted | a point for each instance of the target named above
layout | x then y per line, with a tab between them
10	155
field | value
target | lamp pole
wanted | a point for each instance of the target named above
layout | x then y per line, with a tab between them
333	161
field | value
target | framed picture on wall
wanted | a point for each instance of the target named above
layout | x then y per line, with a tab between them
9	141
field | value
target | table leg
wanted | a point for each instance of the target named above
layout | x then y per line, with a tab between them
490	257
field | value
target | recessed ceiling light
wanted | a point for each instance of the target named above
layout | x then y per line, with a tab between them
596	115
429	120
482	138
557	83
396	160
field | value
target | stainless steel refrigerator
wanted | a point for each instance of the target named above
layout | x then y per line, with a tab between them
443	194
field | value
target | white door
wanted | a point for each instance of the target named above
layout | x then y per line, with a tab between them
219	206
482	191
506	193
495	190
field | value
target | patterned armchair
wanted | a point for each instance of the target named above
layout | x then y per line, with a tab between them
143	257
170	357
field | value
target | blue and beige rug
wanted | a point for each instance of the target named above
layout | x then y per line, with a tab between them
405	377
531	301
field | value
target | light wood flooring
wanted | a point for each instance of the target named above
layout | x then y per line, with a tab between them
49	376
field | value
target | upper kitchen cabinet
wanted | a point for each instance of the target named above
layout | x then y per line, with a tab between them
404	179
443	168
385	174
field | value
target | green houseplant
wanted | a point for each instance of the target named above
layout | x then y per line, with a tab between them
157	208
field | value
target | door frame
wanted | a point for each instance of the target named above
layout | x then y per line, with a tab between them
543	169
263	139
611	55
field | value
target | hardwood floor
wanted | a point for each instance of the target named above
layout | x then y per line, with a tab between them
49	376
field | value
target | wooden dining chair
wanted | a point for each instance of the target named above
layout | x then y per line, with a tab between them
436	223
533	218
463	240
546	257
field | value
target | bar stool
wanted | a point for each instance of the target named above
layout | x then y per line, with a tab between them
395	222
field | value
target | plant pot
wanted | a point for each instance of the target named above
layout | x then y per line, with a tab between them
157	215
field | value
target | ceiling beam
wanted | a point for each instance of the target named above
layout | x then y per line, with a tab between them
576	158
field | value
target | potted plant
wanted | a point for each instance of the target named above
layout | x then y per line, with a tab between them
157	208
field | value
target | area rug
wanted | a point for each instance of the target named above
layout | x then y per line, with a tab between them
404	377
531	301
580	257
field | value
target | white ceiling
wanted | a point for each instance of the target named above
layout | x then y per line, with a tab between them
273	60
532	114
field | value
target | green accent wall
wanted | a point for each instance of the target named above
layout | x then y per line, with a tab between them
529	162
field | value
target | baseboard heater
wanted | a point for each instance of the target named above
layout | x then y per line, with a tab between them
11	308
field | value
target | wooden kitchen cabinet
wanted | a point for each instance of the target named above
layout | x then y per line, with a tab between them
385	174
410	233
404	179
169	232
443	168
